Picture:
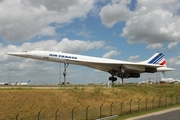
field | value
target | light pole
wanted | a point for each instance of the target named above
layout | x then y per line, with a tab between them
102	78
9	76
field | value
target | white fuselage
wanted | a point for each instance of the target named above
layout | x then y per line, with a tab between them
77	59
114	67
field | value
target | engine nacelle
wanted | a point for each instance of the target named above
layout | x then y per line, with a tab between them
129	75
150	70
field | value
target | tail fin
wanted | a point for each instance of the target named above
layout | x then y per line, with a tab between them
28	81
157	58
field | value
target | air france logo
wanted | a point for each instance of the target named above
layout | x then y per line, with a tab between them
53	55
63	56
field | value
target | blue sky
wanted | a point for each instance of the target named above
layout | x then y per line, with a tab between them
117	29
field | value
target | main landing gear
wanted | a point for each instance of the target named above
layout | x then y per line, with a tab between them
121	75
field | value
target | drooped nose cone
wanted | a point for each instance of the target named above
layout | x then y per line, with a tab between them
20	54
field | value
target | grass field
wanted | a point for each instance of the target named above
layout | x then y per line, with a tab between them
27	103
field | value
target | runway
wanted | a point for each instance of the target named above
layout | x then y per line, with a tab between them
170	114
46	87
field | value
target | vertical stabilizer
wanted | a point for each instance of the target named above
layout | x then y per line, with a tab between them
28	82
157	58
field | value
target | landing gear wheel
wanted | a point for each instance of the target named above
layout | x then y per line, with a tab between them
112	79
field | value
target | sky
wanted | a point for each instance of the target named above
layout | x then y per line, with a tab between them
129	30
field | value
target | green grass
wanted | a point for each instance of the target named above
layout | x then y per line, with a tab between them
28	102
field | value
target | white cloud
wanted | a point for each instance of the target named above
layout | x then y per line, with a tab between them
174	61
171	5
172	45
133	58
153	26
154	46
78	46
47	31
22	20
111	54
110	48
115	12
65	45
151	21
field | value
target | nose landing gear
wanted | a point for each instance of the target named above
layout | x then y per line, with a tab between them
112	79
64	73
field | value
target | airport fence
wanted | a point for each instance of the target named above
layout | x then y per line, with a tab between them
101	111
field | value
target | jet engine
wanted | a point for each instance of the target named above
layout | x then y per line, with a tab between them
129	75
150	70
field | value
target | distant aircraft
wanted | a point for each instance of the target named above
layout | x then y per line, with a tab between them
121	69
27	83
169	80
146	82
4	83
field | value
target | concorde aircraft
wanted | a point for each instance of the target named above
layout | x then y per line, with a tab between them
117	68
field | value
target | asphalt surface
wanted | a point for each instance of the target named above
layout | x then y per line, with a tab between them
45	87
170	114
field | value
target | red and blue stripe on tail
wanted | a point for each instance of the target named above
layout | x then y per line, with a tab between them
157	58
